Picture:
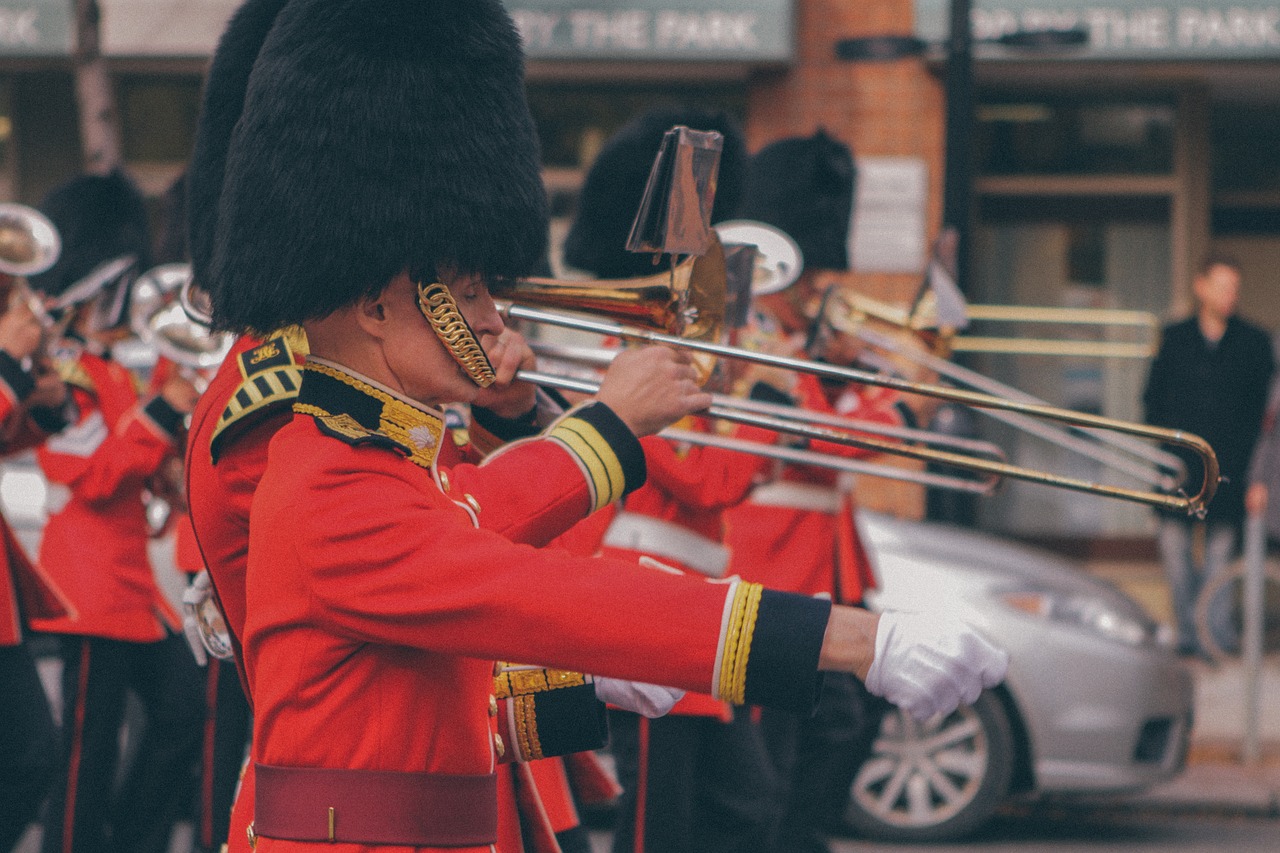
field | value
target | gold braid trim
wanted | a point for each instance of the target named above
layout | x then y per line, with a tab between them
437	304
524	711
522	682
417	431
737	642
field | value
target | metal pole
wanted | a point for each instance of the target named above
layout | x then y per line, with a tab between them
957	188
1251	641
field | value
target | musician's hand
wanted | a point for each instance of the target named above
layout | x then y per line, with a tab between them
20	330
931	663
508	353
648	700
180	393
50	391
651	388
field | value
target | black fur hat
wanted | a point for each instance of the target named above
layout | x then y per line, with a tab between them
615	183
223	102
374	136
100	218
804	185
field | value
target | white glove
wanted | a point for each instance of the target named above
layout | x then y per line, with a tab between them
929	663
192	597
649	700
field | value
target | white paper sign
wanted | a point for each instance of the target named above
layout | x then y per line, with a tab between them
887	232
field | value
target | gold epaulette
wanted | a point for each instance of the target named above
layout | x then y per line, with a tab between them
72	372
272	378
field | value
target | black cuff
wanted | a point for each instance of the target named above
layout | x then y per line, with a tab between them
54	419
166	417
20	382
570	719
763	392
625	445
782	668
507	429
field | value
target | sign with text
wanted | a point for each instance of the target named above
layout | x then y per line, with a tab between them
645	30
1122	29
887	231
35	27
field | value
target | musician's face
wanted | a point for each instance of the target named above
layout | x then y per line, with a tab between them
425	369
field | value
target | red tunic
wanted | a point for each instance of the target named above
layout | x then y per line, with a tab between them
26	590
95	546
377	605
688	488
800	533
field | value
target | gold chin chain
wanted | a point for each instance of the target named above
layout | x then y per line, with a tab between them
437	304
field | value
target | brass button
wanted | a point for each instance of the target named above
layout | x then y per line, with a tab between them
497	668
498	746
493	706
444	481
472	502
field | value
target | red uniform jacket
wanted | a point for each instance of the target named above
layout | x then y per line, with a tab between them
247	401
688	488
26	590
800	533
377	603
95	546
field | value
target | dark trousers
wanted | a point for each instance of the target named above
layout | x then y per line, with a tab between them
707	786
817	757
28	744
88	813
228	725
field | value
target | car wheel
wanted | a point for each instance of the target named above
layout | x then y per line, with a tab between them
937	780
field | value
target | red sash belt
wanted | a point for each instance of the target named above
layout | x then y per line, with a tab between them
375	807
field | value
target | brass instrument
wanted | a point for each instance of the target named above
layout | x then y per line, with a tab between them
157	316
29	242
598	356
859	309
600	299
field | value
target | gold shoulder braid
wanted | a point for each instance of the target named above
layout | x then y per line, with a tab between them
414	431
437	304
272	378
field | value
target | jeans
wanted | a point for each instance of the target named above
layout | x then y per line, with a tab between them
1186	579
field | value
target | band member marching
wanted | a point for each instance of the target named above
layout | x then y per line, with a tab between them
800	532
33	406
127	635
375	198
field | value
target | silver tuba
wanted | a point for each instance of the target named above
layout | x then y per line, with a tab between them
158	316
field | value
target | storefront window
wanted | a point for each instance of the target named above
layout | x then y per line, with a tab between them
1246	170
1046	136
158	117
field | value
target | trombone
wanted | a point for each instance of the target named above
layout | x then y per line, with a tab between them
688	313
984	486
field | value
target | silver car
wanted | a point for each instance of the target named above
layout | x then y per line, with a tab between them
1095	700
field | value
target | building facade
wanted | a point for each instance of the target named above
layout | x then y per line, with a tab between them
1100	171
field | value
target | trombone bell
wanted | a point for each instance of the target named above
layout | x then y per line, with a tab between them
688	300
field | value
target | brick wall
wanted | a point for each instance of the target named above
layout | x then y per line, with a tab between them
884	109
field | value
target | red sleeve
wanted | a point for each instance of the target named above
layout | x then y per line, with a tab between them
94	459
706	477
415	573
584	462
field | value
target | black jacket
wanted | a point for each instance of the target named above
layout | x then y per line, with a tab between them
1217	392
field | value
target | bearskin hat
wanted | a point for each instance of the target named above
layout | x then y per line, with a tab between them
100	218
615	183
804	185
343	141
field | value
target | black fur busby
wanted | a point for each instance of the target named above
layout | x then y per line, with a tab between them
100	218
804	185
171	232
373	136
615	183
